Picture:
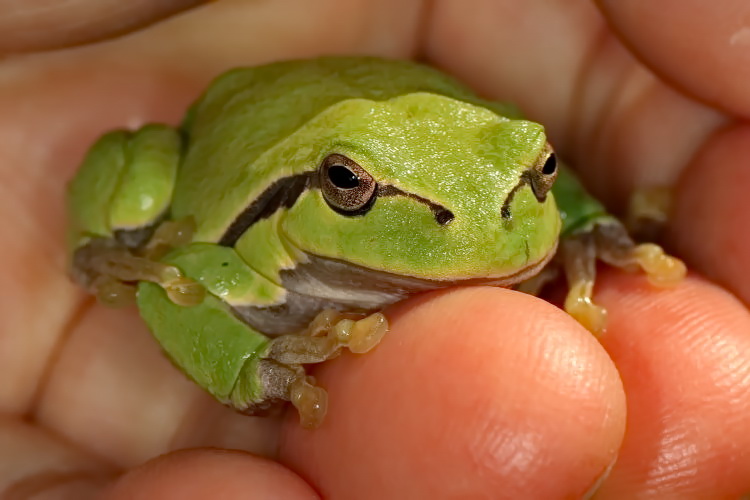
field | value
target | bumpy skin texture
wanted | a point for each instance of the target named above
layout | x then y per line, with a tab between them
268	244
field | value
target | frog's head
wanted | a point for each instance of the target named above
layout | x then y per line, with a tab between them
424	186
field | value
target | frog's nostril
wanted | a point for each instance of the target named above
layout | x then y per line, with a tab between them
505	210
443	216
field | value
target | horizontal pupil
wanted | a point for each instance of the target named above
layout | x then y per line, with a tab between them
342	177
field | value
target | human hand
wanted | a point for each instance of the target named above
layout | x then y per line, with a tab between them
475	393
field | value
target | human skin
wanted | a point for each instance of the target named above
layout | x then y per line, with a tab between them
475	392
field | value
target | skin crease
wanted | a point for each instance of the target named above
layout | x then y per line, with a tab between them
722	42
466	397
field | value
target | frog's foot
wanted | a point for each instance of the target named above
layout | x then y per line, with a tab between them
310	400
648	212
328	333
286	382
615	247
111	271
578	254
356	331
168	235
112	292
609	241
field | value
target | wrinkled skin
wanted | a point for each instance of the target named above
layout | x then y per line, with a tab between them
476	393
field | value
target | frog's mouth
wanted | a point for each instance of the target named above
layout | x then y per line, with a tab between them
362	287
322	282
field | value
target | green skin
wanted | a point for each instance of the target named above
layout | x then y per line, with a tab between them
407	125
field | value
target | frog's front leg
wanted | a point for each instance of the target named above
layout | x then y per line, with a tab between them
589	234
241	366
229	351
608	241
324	339
327	334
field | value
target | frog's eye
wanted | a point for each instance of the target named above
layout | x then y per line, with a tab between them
346	186
550	165
543	174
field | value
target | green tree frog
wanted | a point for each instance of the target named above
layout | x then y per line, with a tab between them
299	198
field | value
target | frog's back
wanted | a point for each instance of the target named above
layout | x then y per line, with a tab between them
311	85
247	111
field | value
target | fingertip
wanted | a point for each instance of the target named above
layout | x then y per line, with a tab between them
685	41
684	357
474	392
210	473
710	210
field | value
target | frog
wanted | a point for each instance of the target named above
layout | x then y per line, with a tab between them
268	231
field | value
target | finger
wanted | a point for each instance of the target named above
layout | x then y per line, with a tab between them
606	114
114	392
202	42
41	25
684	358
199	474
474	393
684	41
38	464
711	207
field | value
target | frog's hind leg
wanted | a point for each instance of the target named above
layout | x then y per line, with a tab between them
279	373
648	212
609	241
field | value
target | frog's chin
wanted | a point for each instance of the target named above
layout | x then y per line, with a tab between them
352	285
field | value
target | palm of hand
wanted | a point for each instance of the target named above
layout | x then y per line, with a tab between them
467	396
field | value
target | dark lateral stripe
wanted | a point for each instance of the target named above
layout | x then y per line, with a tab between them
284	193
281	194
